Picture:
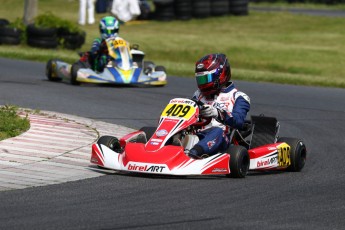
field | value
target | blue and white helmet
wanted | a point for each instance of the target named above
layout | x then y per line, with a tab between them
108	27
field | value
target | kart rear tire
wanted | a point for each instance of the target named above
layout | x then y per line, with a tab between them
239	161
111	142
49	71
148	63
149	131
298	153
160	68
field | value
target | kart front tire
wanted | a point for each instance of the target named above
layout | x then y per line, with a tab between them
111	142
239	161
50	71
298	153
74	73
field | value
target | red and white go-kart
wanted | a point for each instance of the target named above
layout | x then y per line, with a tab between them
164	149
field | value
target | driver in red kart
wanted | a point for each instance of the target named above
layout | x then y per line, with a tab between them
98	55
227	106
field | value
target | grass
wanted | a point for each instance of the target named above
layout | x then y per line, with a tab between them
11	124
268	47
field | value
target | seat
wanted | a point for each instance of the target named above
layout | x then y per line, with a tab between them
265	131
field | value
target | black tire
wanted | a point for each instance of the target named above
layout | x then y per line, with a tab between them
238	7
74	40
160	68
298	153
34	31
10	32
111	142
149	67
220	7
148	63
239	161
164	10
50	72
4	22
149	131
201	8
10	40
74	71
46	43
183	9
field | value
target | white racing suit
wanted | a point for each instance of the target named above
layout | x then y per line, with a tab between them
232	106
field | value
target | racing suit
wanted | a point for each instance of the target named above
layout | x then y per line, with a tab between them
232	107
99	54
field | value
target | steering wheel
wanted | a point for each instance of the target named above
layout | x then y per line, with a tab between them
203	120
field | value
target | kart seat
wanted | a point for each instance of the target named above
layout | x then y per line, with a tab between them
265	131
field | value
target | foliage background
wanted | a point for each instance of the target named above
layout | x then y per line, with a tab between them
273	47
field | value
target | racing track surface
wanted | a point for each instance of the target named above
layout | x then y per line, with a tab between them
311	199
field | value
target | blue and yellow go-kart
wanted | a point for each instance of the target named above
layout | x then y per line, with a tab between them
127	67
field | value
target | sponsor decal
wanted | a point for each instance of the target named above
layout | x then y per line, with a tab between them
211	143
156	140
199	66
162	78
154	143
63	70
267	162
161	133
219	170
182	101
171	120
224	98
146	168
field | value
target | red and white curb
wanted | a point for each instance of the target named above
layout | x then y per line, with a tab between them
56	149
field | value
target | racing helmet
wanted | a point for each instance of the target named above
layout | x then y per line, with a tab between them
108	27
212	72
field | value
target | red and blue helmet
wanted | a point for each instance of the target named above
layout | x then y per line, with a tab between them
212	72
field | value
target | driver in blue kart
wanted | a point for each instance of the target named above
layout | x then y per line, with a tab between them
227	106
98	55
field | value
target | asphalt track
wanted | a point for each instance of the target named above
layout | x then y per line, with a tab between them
311	199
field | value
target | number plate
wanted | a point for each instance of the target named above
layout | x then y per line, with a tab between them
179	109
284	155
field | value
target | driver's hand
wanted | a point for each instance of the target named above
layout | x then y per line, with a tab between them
208	111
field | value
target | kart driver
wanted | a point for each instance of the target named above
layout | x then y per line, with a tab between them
223	103
98	55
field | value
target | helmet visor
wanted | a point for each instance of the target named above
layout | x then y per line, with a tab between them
204	78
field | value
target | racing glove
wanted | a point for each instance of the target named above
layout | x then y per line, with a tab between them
209	111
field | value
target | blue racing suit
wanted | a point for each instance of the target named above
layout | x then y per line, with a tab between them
232	106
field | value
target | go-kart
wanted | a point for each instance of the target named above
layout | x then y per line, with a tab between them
126	67
164	150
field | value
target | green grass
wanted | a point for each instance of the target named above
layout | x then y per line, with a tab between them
269	47
11	124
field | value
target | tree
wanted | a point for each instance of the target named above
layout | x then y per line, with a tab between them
30	11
